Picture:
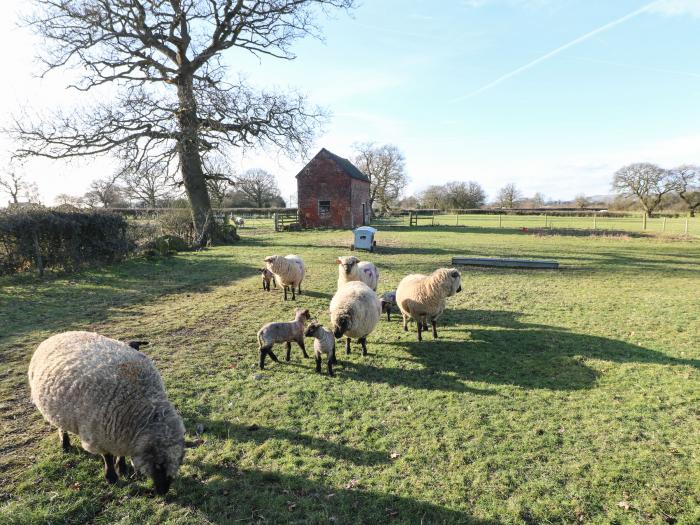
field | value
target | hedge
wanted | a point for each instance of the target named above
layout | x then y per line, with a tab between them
41	238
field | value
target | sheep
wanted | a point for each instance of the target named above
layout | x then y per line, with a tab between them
273	333
238	221
324	343
288	270
352	269
422	297
113	398
388	301
267	276
355	311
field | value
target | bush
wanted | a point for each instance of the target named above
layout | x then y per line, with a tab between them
63	240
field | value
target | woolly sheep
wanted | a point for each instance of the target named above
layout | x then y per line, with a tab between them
239	221
267	276
355	311
388	301
288	270
352	269
422	297
324	343
113	398
273	333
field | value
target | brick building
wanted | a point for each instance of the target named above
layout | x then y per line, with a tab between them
332	193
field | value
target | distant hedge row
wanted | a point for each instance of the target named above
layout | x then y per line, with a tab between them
44	238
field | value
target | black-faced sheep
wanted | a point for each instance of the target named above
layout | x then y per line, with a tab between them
422	297
350	269
267	276
113	398
289	271
355	311
324	343
287	332
388	302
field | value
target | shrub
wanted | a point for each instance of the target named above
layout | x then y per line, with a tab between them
63	240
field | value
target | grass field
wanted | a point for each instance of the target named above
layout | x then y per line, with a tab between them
568	396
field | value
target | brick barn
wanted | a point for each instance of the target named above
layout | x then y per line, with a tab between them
332	193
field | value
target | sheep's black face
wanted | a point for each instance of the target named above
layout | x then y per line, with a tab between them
311	330
341	327
161	480
348	268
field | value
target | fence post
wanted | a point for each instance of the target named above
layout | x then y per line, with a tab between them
276	221
644	221
545	220
594	221
457	218
663	225
686	225
37	249
499	221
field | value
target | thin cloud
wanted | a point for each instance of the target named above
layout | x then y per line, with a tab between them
677	7
547	56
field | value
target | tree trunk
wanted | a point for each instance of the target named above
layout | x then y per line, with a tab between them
191	162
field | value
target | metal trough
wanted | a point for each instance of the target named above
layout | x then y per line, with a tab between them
505	263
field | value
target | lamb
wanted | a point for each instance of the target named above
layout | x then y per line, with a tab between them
324	343
352	269
267	276
289	271
273	333
113	398
423	297
355	311
238	221
388	301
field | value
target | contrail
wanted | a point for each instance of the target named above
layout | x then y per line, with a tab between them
558	50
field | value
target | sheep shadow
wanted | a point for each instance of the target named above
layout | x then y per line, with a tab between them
507	351
260	434
227	494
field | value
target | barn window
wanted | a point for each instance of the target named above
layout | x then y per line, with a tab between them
324	208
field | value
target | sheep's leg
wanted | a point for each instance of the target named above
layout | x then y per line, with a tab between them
318	363
289	351
388	315
294	297
272	355
331	360
273	282
434	323
299	288
122	468
347	346
266	350
363	342
334	359
405	322
110	473
300	342
65	440
285	292
420	329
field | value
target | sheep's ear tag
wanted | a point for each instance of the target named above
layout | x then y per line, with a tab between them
337	261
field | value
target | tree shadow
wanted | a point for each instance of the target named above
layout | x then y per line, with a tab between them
508	352
81	299
227	494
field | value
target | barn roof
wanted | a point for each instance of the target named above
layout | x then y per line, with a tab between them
348	167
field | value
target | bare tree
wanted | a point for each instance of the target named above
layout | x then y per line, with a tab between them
147	183
582	201
686	181
537	200
104	193
647	182
433	197
70	200
220	178
508	196
12	183
164	59
385	167
259	186
464	195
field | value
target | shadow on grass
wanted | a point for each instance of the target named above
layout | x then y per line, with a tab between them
227	495
260	434
78	300
509	352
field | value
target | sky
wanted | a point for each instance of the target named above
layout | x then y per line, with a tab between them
552	95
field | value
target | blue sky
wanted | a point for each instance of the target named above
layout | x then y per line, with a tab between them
553	95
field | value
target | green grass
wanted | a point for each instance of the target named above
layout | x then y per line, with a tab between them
568	396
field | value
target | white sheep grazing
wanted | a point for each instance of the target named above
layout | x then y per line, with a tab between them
284	332
239	221
422	297
355	311
350	269
113	398
289	271
324	343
